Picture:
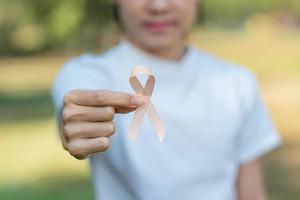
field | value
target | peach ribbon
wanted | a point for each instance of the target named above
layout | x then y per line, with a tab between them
148	107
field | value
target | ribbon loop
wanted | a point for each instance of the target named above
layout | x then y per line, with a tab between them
148	106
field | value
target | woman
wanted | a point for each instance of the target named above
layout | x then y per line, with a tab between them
217	125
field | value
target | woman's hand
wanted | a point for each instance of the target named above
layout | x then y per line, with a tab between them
87	119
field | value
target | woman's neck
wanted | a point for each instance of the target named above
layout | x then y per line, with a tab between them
174	52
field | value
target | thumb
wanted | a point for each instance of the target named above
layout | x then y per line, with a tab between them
136	101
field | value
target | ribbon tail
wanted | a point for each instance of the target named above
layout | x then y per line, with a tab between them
137	120
153	116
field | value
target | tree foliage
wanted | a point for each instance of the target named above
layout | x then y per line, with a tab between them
29	26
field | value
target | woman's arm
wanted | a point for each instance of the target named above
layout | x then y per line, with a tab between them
250	184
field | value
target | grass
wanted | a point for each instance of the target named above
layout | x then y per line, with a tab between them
34	166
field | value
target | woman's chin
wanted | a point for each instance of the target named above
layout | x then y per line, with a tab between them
158	43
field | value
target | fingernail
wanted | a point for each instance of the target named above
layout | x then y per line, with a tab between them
137	100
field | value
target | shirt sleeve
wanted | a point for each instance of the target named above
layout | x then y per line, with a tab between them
78	73
258	135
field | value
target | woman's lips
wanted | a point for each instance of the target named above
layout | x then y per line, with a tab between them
157	26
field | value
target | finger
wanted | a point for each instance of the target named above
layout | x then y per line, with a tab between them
80	149
96	145
62	137
73	112
124	110
102	98
73	131
137	99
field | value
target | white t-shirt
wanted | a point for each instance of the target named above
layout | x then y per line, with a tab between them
213	114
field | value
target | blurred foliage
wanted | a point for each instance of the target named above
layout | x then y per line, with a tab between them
30	26
236	11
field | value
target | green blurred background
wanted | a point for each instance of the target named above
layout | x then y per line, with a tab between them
37	37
